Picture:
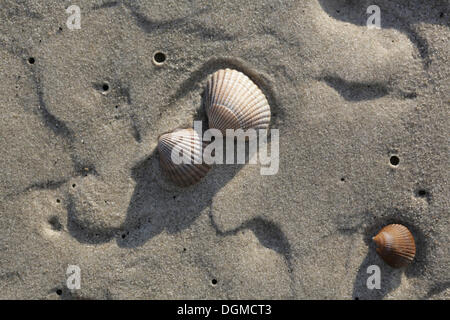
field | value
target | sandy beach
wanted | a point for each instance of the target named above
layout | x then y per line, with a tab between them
363	120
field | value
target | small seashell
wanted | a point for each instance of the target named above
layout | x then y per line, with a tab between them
395	245
188	145
233	101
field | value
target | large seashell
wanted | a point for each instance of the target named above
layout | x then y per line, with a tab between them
185	143
395	245
233	101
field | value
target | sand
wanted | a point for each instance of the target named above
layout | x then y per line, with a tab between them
81	185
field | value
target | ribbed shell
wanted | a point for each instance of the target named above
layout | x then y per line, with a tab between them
183	174
233	101
395	245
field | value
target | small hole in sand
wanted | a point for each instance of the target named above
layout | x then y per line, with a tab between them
342	179
394	161
105	87
356	298
31	60
184	249
74	185
54	222
59	292
159	58
58	201
214	282
422	193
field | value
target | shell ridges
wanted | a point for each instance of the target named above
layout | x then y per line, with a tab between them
395	245
189	145
234	101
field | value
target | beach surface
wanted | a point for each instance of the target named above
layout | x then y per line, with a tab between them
80	179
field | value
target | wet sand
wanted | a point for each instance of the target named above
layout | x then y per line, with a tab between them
81	184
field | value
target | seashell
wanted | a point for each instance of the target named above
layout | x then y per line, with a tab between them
233	101
395	245
188	145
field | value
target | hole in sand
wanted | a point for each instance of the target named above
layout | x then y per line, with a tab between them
214	282
59	292
55	224
394	161
105	87
31	60
421	193
159	58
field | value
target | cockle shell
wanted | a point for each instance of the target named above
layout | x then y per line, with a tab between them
184	143
395	245
233	101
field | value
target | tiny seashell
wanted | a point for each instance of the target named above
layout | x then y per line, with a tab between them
395	245
186	143
233	101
